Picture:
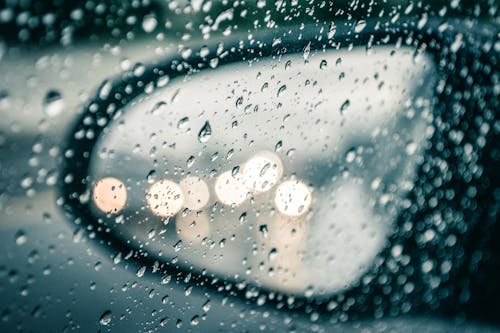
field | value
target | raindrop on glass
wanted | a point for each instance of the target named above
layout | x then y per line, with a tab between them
105	318
53	103
149	23
21	237
307	51
360	26
205	133
344	106
183	122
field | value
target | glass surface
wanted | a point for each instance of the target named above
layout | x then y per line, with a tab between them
295	194
262	166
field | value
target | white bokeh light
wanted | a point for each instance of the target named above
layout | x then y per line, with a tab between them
109	195
165	198
231	189
262	171
293	198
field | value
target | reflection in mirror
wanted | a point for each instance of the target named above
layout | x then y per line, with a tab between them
287	172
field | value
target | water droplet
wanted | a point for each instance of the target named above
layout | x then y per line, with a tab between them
290	152
47	270
239	102
33	256
37	311
162	81
78	235
21	237
151	233
195	320
105	318
53	103
190	161
47	218
281	90
158	108
229	154
214	62
272	254
186	52
423	21
455	46
411	148
264	169
206	306
98	266
149	23
205	133
309	292
178	246
151	176
332	30
360	26
164	321
323	64
350	155
183	122
375	184
307	51
105	89
263	230
344	106
4	99
204	51
235	171
278	146
141	271
24	291
138	69
117	258
222	243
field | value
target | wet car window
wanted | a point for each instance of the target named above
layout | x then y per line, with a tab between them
287	166
253	173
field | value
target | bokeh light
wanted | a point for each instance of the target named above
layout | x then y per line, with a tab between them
293	198
109	195
165	198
